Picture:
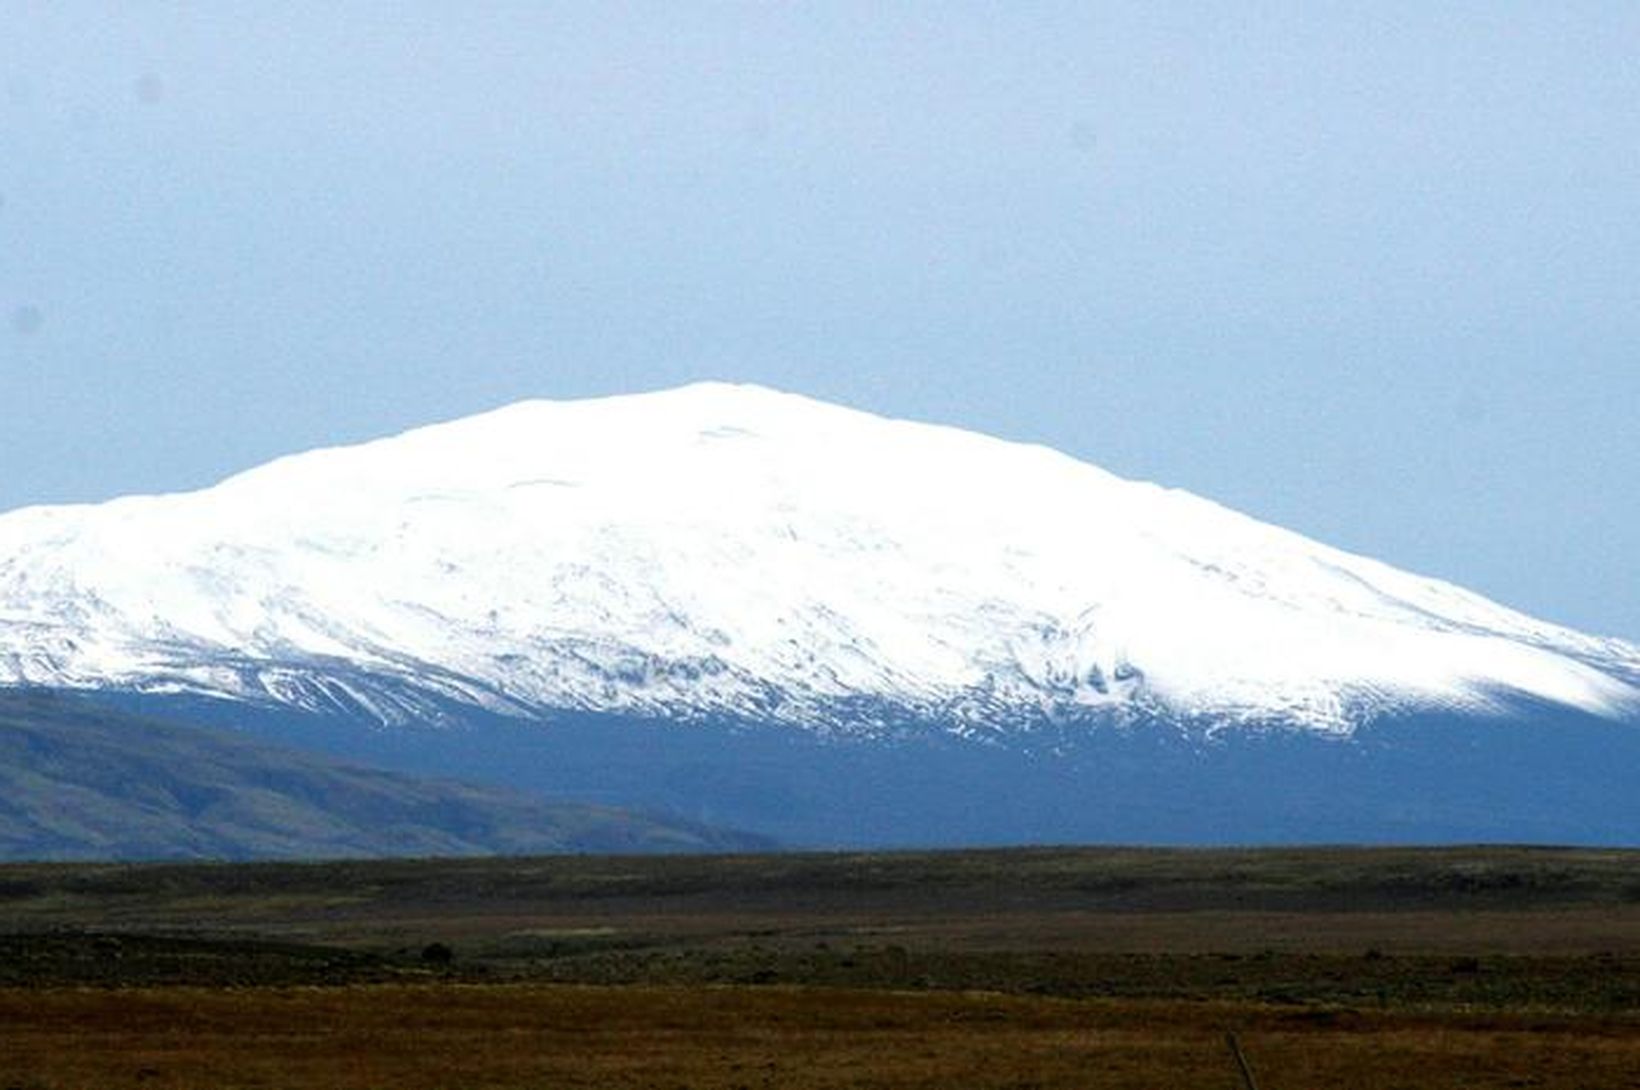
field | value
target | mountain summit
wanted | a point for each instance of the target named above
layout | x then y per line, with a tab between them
757	610
721	550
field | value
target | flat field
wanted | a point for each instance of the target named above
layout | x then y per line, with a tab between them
1386	968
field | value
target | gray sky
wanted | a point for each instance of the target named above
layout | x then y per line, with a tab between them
1368	271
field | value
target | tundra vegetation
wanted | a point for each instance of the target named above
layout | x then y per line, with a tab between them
1384	968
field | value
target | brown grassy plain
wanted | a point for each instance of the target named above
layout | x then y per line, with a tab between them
409	1037
1039	969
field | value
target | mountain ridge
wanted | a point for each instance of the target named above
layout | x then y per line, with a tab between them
726	550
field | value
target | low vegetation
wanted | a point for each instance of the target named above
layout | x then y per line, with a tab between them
1425	968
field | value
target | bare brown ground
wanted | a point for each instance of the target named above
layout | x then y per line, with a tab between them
408	1037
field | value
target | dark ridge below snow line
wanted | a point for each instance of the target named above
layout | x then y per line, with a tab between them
80	779
1534	773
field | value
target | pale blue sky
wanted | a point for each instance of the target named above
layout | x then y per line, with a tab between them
1368	271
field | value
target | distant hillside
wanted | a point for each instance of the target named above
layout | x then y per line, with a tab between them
81	782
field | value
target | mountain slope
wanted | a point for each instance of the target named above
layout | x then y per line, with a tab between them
770	613
1529	772
82	782
720	551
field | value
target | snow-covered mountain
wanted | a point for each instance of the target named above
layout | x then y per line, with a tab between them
722	550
